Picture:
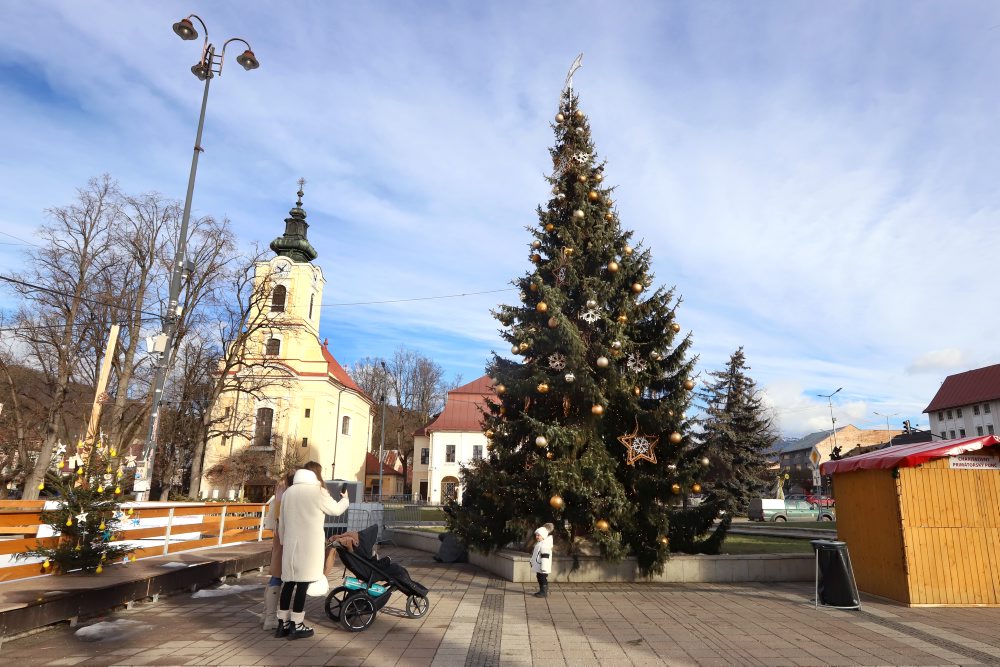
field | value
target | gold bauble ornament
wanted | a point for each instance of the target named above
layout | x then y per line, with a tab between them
676	438
579	113
597	409
664	540
533	287
602	362
560	118
523	347
670	413
543	388
541	307
503	410
602	525
636	287
593	196
568	252
616	345
637	390
500	389
623	318
536	244
676	488
553	322
582	178
535	257
549	227
675	327
609	217
557	502
654	355
696	488
591	303
613	267
578	214
598	177
705	462
627	251
515	349
541	441
549	455
689	384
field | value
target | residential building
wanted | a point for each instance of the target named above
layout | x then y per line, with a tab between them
794	456
391	477
966	404
316	412
452	438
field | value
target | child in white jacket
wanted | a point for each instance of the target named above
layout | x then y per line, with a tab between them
541	558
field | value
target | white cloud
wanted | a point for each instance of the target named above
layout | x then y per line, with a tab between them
937	362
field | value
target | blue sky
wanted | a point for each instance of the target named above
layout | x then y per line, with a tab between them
818	180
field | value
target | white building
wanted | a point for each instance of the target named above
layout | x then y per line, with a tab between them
966	405
450	439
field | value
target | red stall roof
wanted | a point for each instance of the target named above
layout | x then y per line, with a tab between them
908	456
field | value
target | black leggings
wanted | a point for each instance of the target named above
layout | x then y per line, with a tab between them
300	595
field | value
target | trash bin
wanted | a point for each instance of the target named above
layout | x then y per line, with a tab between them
835	586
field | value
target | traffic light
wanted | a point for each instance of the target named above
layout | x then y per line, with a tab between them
906	425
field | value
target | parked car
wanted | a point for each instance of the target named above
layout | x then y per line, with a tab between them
789	509
822	501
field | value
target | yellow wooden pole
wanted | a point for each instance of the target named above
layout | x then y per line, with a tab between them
102	383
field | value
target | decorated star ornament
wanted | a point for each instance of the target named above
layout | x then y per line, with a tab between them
130	461
639	446
635	363
590	315
81	517
580	157
557	361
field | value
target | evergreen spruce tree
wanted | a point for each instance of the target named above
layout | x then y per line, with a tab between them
589	429
738	433
89	516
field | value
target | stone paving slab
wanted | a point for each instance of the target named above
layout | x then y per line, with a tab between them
478	620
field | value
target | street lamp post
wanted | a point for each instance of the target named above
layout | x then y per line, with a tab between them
888	433
833	425
381	444
205	69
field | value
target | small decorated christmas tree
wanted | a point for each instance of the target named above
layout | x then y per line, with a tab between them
89	517
590	429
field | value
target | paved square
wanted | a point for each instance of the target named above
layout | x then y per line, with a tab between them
477	619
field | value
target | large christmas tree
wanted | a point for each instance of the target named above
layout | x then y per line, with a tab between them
589	430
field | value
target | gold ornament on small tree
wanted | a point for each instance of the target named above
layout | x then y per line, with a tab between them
627	251
553	322
535	257
536	244
541	307
675	327
578	214
597	409
664	540
541	441
560	118
612	267
602	362
582	178
549	455
549	227
523	347
696	488
593	196
543	388
557	502
676	438
609	217
636	287
676	488
602	525
500	389
689	384
579	114
623	318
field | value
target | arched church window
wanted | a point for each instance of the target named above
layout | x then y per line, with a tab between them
273	347
278	299
262	429
345	425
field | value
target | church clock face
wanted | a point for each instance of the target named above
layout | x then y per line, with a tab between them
281	269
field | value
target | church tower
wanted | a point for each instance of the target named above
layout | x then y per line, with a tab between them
313	411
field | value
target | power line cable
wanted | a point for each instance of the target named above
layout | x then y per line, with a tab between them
416	298
49	290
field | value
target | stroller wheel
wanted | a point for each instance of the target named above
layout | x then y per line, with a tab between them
417	606
335	600
357	612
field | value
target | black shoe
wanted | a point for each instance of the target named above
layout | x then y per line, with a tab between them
300	631
540	594
284	627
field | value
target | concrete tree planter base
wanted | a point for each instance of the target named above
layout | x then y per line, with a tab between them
515	566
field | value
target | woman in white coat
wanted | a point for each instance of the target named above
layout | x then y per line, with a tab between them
303	512
541	558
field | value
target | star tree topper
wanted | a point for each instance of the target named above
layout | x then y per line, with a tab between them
639	446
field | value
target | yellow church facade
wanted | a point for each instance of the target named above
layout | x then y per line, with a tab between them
313	411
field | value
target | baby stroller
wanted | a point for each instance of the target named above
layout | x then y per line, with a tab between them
355	604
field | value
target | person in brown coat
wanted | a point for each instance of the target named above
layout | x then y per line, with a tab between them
273	590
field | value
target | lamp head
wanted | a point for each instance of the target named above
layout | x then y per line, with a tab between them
185	29
200	70
248	60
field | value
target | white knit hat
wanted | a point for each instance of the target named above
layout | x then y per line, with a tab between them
543	531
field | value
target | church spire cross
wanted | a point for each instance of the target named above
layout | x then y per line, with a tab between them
293	243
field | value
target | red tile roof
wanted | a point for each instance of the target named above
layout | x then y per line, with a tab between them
961	389
463	408
337	371
371	467
908	456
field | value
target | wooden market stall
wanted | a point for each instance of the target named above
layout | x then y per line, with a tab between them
922	521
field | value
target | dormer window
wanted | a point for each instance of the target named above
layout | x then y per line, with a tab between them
273	347
278	299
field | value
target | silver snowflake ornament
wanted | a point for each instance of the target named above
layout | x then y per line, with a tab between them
557	361
635	363
580	157
640	445
590	316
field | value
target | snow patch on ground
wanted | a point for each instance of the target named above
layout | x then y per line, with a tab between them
177	563
116	629
225	589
